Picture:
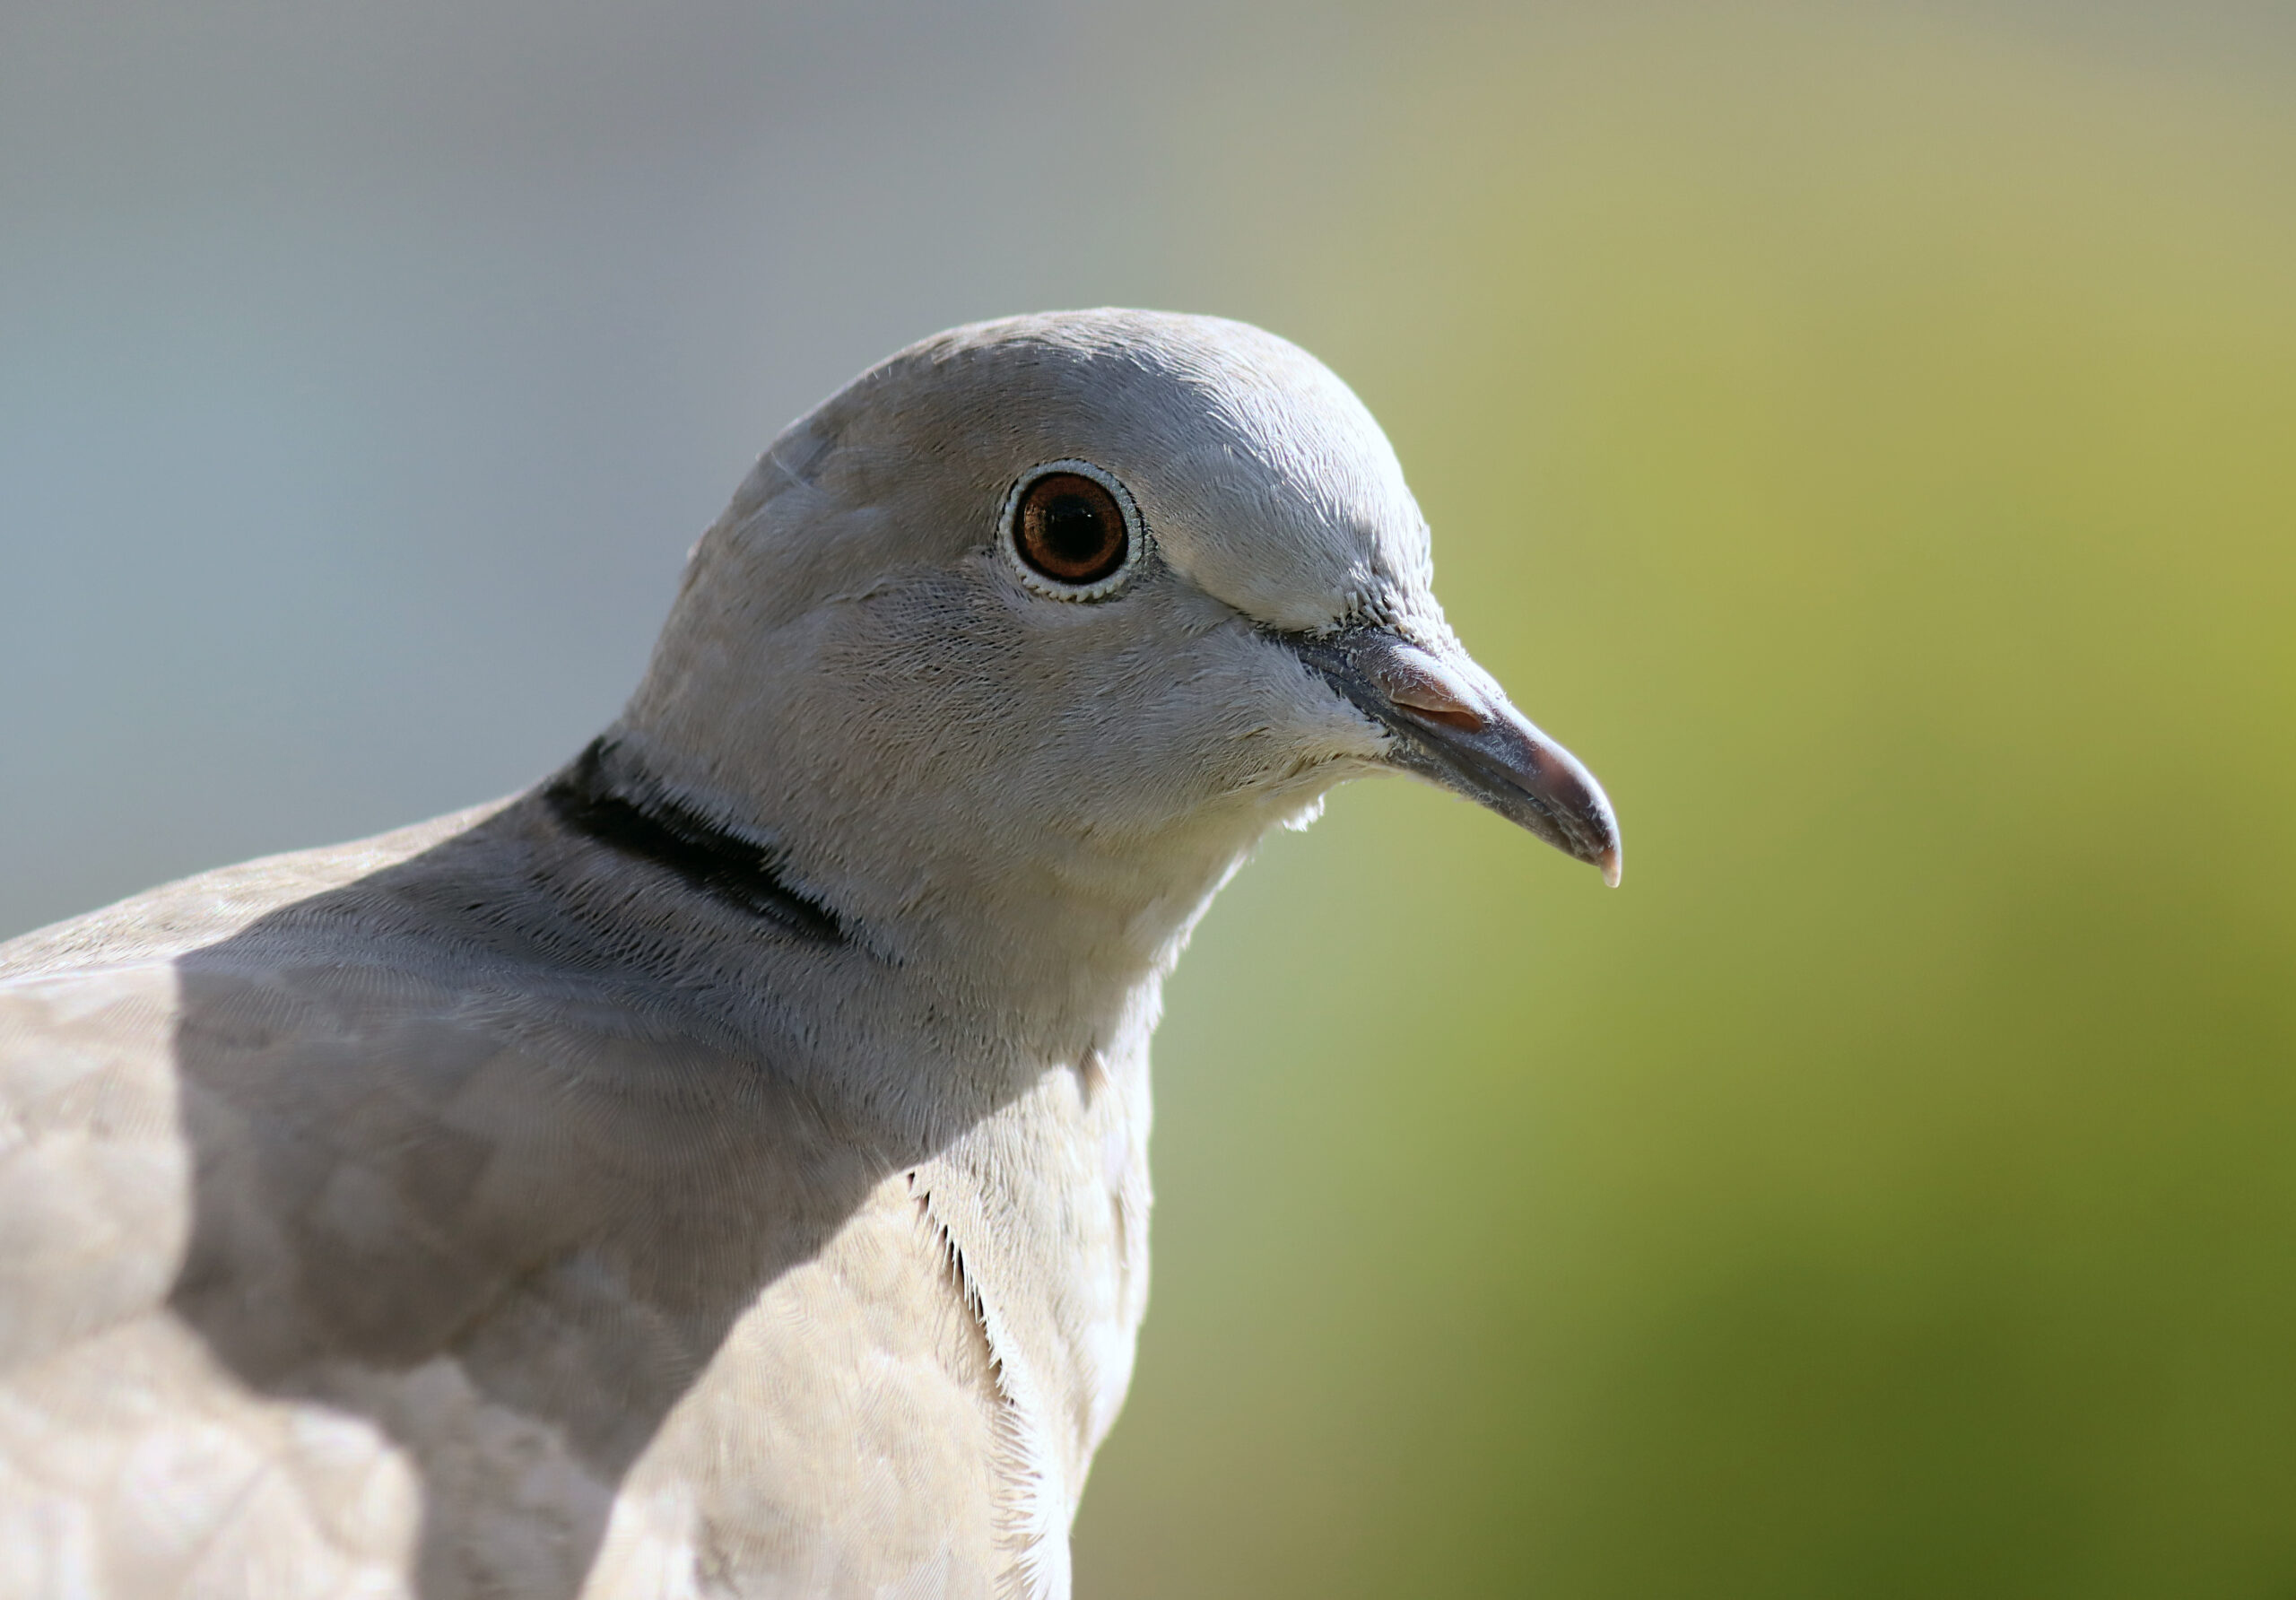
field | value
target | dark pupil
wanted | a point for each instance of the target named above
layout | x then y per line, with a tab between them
1072	531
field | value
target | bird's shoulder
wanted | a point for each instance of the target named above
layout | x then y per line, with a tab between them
350	1238
93	1173
208	907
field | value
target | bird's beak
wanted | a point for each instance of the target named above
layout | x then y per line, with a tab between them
1451	725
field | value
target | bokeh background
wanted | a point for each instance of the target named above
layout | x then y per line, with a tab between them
1865	432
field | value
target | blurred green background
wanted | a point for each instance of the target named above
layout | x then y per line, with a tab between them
1862	432
1872	443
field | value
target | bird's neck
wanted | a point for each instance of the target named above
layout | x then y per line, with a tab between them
998	955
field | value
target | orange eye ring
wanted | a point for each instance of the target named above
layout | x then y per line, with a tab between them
1073	531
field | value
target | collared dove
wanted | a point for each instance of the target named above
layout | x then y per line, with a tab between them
721	1169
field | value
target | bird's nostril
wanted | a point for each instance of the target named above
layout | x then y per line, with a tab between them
1462	717
1422	685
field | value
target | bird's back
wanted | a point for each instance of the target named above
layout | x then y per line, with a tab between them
335	1259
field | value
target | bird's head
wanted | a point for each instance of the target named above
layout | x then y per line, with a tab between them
1028	634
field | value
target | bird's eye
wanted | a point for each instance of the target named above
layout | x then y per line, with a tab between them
1069	528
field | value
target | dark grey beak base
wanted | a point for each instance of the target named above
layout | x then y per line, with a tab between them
1454	731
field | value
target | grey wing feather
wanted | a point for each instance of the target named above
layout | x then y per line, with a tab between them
327	1276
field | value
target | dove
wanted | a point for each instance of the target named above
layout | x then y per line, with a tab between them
721	1169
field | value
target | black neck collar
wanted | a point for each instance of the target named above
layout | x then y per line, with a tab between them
633	817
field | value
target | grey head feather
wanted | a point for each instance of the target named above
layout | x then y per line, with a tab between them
1034	796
